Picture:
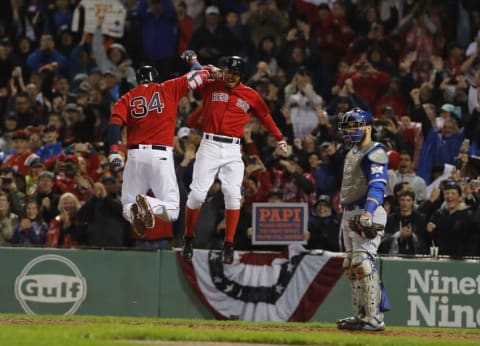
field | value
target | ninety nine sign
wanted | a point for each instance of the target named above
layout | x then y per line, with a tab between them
279	223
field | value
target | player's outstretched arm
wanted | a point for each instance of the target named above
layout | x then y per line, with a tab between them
190	57
115	159
196	78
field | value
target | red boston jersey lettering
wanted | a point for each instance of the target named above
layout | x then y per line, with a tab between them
150	111
226	111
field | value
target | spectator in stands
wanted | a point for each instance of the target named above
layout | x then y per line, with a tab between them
8	184
6	67
70	179
185	27
47	198
323	170
267	52
213	39
364	15
28	19
31	229
52	147
9	127
62	86
302	100
453	228
59	15
81	59
66	230
23	49
159	35
367	82
293	177
102	214
8	220
264	19
330	36
375	39
22	109
115	60
257	182
21	156
323	226
46	56
35	140
405	228
422	30
440	146
75	127
405	173
65	41
36	167
292	56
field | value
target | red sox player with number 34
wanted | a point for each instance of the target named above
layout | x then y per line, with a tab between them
227	107
149	112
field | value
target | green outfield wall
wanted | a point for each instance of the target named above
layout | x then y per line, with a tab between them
422	292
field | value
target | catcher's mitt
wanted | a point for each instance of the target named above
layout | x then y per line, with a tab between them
366	232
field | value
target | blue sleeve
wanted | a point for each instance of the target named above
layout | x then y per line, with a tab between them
376	172
195	66
113	134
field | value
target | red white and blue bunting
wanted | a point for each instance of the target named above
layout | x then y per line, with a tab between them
263	286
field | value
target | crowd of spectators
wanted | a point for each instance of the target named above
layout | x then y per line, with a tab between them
415	65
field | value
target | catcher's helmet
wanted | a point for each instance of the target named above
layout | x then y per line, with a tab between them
235	64
147	74
352	124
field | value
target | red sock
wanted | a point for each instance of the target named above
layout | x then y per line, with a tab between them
191	216
231	222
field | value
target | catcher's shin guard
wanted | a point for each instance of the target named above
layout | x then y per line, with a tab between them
357	306
371	295
356	292
369	286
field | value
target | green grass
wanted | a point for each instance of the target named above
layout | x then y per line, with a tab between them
105	331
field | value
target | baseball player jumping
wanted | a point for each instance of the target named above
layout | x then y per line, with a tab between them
363	219
227	107
149	113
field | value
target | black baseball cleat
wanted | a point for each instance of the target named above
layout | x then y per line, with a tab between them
227	253
187	252
348	323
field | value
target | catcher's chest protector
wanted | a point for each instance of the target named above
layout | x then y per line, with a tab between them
354	183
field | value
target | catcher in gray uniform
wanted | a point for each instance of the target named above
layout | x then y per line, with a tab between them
364	219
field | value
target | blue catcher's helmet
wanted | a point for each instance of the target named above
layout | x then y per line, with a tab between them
352	124
147	74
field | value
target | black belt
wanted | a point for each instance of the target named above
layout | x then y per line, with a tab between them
223	139
148	146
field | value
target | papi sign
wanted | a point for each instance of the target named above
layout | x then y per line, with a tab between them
50	284
279	223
